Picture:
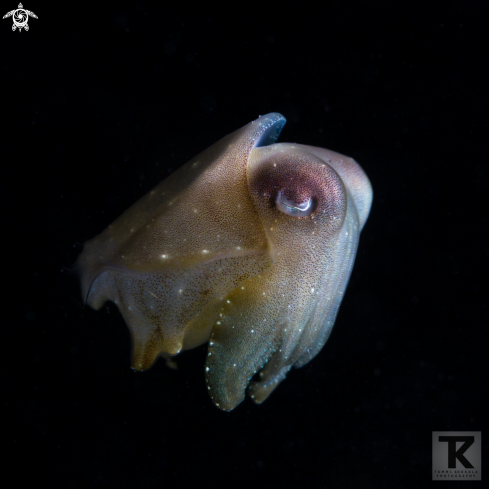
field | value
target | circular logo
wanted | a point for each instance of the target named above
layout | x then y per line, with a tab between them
20	18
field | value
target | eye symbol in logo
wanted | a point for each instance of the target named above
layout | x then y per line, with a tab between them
20	16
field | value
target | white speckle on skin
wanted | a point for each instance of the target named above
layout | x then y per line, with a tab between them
207	369
205	251
312	290
164	256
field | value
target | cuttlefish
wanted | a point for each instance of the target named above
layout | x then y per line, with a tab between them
248	247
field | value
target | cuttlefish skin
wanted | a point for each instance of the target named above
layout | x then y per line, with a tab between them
249	246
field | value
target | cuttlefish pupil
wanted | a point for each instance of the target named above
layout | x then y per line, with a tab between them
293	208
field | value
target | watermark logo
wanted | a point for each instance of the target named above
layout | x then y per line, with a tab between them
456	455
20	16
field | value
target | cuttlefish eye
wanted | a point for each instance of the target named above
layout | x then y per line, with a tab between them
296	209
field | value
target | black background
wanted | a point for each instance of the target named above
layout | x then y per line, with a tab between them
101	103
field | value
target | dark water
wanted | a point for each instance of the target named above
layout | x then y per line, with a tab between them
100	105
